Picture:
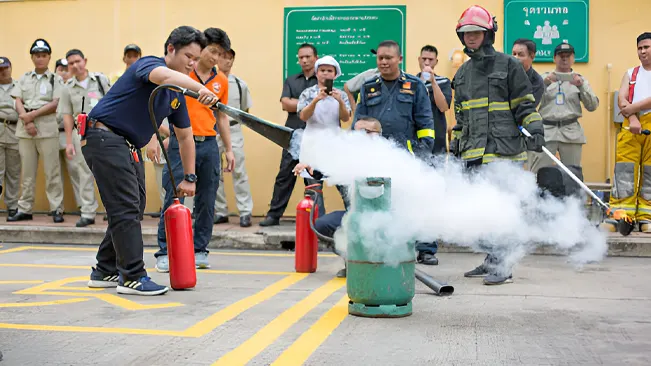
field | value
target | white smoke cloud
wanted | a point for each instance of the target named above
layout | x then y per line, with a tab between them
497	206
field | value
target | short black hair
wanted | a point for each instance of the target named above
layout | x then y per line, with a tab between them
219	37
73	52
185	35
307	45
643	36
429	48
390	43
531	45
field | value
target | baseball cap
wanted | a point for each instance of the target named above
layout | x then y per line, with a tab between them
132	47
40	45
563	47
4	62
61	62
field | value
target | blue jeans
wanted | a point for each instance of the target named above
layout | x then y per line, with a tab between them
329	223
207	169
427	248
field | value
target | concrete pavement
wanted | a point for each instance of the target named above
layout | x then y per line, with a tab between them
251	308
42	230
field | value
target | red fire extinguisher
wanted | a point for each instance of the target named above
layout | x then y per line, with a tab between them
180	246
306	241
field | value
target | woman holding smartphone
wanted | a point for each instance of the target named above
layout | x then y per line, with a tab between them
324	107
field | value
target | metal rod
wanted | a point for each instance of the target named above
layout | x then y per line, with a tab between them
569	172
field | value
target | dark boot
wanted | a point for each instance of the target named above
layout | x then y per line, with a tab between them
19	216
219	219
427	259
245	221
270	221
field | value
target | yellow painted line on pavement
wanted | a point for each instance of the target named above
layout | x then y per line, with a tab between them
212	322
93	249
57	266
277	327
20	282
52	288
309	341
13	250
91	289
65	328
42	303
262	273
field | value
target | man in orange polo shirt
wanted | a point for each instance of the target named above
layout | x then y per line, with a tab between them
203	121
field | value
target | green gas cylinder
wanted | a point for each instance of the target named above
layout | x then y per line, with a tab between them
380	270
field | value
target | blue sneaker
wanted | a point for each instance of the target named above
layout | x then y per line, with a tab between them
144	287
101	280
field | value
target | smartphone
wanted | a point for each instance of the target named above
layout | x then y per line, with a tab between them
328	84
564	76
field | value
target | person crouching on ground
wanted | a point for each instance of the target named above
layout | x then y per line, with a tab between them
328	224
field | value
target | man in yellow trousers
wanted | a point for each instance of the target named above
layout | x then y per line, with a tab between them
633	154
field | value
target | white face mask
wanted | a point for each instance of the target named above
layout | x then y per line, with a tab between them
371	192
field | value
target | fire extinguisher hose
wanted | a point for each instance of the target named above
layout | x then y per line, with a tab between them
152	116
439	288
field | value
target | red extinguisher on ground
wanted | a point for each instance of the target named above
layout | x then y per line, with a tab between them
180	246
307	245
178	219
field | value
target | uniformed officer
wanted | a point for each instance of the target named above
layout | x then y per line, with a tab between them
131	54
239	97
61	69
37	96
561	109
9	155
401	103
81	93
493	97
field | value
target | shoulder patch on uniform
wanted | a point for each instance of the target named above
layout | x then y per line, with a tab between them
175	103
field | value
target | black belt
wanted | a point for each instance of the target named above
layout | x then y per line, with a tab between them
204	138
559	123
8	121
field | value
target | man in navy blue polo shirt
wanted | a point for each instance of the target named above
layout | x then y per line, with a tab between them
118	127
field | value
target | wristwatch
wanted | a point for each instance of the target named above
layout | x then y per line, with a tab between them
190	178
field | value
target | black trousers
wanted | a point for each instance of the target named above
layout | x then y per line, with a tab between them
284	186
440	136
121	184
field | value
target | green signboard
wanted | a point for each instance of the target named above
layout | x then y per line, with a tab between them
347	33
548	23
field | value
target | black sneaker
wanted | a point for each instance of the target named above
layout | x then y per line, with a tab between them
101	280
495	279
480	271
270	221
144	287
428	259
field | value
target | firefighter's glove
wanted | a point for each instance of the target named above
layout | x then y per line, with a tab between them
536	142
454	143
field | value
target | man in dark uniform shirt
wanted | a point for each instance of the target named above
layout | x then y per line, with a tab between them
292	89
118	127
525	51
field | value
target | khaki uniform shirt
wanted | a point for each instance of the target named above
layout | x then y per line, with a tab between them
567	111
35	93
73	93
8	114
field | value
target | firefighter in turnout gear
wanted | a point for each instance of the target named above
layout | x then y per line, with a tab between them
493	97
632	184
